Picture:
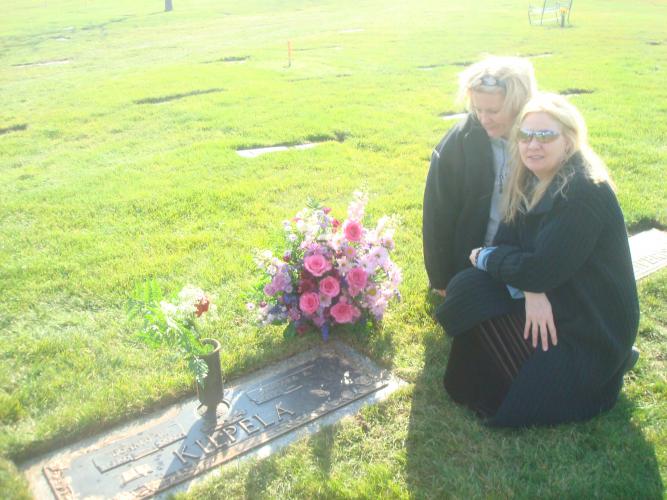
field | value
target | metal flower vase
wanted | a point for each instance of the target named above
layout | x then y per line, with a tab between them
211	392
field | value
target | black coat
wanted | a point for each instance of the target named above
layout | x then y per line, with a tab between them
573	247
457	199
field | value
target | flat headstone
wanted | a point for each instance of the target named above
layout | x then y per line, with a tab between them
254	153
649	252
44	63
453	116
263	412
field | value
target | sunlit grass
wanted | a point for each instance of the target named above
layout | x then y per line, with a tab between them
99	192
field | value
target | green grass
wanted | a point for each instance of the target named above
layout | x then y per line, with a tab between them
99	192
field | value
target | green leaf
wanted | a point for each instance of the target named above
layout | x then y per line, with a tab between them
290	331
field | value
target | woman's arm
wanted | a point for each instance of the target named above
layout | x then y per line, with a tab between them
566	239
539	316
442	207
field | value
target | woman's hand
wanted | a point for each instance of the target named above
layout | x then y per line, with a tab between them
539	320
442	293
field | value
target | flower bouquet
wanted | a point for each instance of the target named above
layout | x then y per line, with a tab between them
331	272
175	323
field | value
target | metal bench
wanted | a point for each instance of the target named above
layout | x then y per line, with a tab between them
550	11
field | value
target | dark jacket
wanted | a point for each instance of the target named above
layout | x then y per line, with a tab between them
573	247
457	199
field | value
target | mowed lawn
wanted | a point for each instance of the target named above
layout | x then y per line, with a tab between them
118	130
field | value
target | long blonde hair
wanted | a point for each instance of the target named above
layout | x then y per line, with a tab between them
524	189
516	77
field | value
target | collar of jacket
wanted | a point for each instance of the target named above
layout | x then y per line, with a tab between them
477	151
552	193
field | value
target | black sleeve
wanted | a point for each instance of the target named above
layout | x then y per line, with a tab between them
506	235
442	207
565	241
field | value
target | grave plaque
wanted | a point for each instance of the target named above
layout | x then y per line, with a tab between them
145	460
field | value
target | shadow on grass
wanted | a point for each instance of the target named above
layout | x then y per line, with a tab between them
14	128
174	97
451	454
644	224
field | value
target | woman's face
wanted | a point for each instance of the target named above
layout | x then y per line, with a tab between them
489	110
542	157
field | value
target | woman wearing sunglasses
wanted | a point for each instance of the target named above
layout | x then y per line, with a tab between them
562	235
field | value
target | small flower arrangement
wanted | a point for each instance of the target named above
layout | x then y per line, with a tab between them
331	273
174	323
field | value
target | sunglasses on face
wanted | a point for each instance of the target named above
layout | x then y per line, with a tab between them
541	136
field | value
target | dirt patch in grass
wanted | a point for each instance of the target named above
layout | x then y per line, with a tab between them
430	67
462	63
229	59
538	54
304	49
654	42
104	25
576	91
14	128
174	97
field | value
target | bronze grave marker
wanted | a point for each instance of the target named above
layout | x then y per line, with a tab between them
145	459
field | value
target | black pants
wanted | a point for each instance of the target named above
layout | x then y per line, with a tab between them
484	361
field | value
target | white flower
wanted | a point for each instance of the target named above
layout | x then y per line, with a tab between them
168	309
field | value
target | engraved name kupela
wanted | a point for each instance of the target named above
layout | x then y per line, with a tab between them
253	413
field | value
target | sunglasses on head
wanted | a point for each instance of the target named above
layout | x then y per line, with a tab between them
489	81
541	136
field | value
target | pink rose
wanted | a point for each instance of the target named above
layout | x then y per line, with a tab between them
317	264
343	312
352	230
309	302
357	278
329	286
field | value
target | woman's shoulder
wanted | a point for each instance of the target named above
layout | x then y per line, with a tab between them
579	182
468	128
589	194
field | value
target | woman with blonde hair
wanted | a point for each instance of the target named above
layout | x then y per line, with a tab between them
470	166
562	235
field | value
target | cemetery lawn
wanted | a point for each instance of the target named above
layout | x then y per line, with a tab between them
118	133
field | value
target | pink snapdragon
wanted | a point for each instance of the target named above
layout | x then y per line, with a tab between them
317	264
309	302
330	286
